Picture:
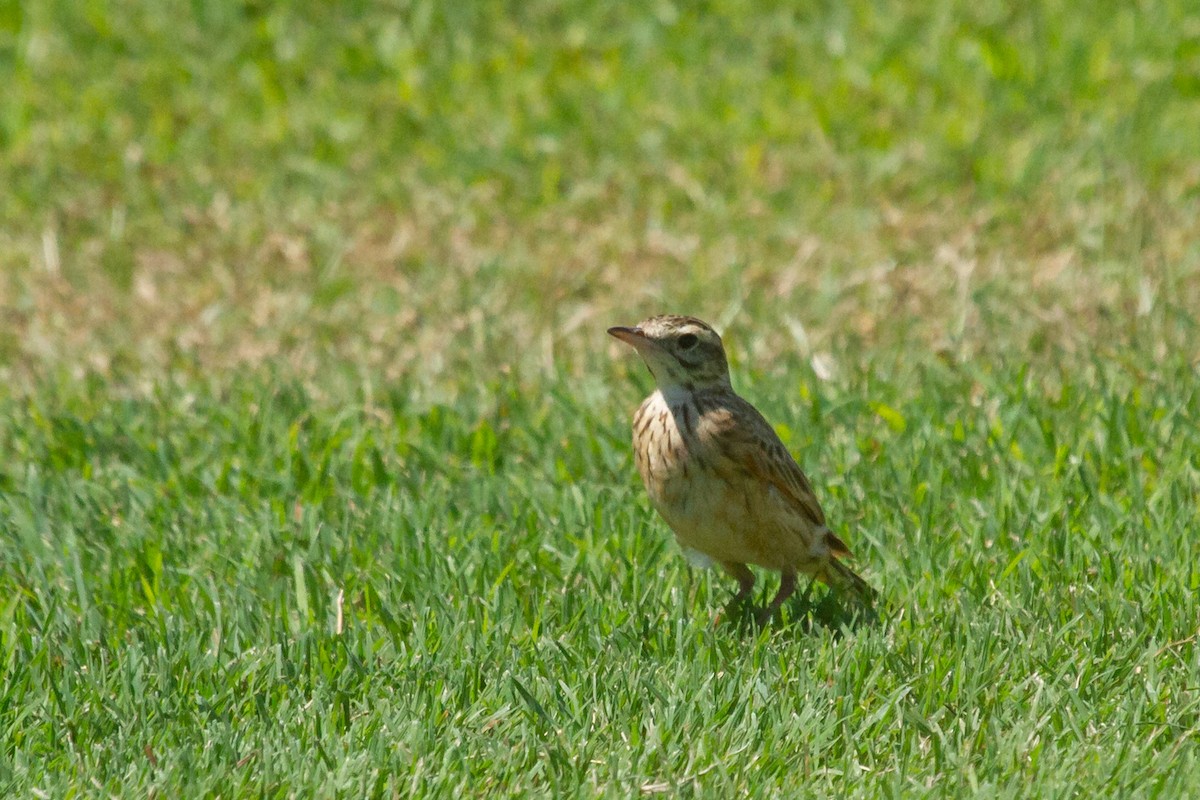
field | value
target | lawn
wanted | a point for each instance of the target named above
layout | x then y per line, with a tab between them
315	473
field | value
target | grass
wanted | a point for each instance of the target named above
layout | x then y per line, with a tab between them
314	464
253	593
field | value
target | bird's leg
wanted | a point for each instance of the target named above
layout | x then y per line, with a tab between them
745	579
787	586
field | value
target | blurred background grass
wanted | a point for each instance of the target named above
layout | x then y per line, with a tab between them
315	472
425	191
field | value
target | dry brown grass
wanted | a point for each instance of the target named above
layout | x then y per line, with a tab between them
419	197
424	293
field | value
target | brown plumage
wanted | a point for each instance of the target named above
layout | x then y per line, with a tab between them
718	474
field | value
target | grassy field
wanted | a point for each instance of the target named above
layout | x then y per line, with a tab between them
315	476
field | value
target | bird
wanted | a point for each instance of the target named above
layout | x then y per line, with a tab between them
719	475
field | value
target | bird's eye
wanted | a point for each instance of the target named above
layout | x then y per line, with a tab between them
688	341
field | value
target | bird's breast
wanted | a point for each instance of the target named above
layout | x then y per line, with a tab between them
714	503
670	457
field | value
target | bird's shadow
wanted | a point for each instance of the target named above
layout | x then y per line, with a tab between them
803	614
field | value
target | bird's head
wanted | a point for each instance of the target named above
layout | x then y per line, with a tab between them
682	353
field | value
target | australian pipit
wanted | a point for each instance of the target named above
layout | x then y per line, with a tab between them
717	472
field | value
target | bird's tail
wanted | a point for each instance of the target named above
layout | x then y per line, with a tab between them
841	577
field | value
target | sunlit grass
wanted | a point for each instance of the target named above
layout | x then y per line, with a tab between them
315	474
342	188
265	592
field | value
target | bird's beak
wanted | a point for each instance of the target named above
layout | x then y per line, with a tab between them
630	336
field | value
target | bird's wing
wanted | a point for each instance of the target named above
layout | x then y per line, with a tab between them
744	437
